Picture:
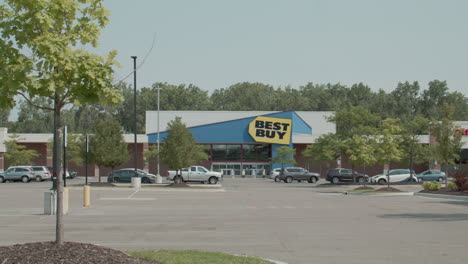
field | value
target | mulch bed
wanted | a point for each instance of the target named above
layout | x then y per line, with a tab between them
388	189
447	191
101	184
68	253
179	185
363	188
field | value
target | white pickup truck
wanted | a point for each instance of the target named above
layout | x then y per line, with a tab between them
195	174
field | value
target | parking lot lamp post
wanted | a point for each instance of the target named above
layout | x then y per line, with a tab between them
158	176
65	156
135	147
86	159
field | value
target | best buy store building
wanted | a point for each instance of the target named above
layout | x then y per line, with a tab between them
244	141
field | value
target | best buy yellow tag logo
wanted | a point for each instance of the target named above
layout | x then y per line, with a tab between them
271	130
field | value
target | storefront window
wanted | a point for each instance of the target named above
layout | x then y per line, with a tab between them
219	152
256	152
238	152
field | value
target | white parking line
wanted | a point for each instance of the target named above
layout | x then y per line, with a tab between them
133	193
130	199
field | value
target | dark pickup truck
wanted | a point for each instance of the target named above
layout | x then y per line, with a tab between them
345	175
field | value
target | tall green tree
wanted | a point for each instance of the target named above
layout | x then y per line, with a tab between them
41	55
179	149
4	114
404	101
32	119
355	120
284	155
245	97
107	146
17	154
448	142
360	150
354	126
325	150
388	143
414	152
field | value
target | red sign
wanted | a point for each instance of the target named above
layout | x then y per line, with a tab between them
463	132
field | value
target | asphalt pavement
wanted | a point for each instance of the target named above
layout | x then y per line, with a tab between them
295	223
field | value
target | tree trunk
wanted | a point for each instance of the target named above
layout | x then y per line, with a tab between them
411	160
57	160
446	174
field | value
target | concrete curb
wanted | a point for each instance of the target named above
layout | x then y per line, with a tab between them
443	196
276	261
381	194
271	260
152	189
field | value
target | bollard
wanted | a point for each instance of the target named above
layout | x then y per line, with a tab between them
50	201
65	200
86	196
136	182
158	179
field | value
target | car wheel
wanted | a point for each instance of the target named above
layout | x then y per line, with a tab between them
145	180
177	179
335	180
288	179
25	179
312	179
2	179
361	180
277	179
213	180
420	180
382	181
116	179
38	179
440	179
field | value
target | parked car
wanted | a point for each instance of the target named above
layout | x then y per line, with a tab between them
195	174
431	175
17	173
42	173
299	174
125	175
69	174
396	175
274	174
345	175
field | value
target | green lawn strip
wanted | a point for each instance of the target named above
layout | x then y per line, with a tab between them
191	187
195	257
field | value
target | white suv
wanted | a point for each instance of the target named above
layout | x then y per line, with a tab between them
397	175
42	173
274	174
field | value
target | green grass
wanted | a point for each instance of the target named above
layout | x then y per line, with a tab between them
195	257
191	187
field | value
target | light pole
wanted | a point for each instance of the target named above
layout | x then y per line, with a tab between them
135	147
158	176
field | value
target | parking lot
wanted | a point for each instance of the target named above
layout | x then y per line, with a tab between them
295	223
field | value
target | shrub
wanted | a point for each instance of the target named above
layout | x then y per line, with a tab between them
461	180
431	186
452	186
426	185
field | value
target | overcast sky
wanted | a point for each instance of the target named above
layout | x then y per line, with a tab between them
214	43
217	43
